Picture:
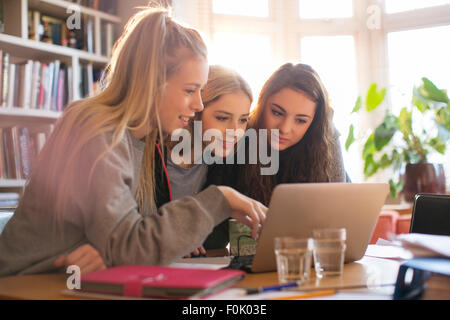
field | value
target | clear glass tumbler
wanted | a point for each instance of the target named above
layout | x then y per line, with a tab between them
294	257
329	251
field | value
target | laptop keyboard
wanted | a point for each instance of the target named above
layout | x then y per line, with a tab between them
243	263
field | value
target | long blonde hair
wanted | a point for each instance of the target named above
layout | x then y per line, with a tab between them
150	50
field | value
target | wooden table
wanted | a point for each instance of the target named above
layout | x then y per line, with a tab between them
366	274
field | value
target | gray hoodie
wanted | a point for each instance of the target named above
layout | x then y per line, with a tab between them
106	217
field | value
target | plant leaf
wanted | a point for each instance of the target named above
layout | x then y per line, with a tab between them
358	105
369	147
397	160
385	131
405	122
419	101
350	138
374	97
392	189
385	161
442	117
411	156
429	91
437	145
395	188
370	166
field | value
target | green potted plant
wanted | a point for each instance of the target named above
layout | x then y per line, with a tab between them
402	143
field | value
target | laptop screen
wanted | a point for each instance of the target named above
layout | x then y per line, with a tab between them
431	214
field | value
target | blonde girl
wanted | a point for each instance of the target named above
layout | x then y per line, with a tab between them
94	181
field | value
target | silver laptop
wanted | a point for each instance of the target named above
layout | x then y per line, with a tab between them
296	209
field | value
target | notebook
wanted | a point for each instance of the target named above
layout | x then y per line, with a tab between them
296	209
158	282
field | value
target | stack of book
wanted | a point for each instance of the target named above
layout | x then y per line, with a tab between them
43	85
54	30
8	200
18	151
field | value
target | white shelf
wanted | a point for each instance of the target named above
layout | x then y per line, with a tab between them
12	183
36	50
24	116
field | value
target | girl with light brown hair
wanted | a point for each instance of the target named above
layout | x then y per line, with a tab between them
94	182
227	99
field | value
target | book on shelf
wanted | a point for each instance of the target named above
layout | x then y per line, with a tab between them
90	35
19	174
5	78
43	85
53	30
18	151
108	38
35	84
2	24
89	80
1	77
9	155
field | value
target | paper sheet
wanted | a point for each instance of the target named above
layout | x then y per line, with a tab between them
439	245
213	263
408	246
388	252
238	294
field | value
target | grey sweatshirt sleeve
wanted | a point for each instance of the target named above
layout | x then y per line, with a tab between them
122	235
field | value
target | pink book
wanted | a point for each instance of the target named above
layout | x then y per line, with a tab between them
159	282
60	94
42	86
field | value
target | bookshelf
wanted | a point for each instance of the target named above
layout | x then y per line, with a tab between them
73	65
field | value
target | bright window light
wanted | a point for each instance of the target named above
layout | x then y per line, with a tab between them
248	54
333	58
394	6
323	9
414	54
251	8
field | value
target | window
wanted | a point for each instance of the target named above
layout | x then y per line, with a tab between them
394	6
333	58
249	54
251	8
414	54
340	40
323	9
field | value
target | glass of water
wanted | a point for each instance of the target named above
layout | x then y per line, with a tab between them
329	251
294	258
